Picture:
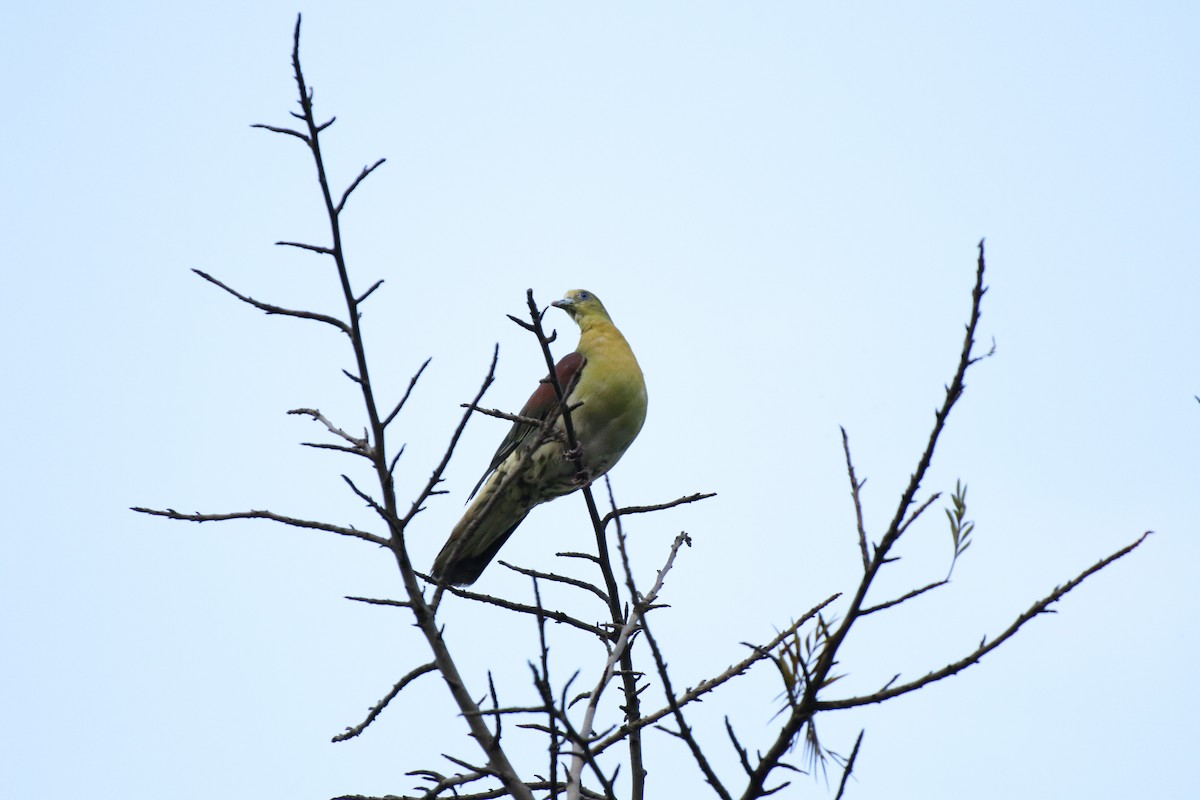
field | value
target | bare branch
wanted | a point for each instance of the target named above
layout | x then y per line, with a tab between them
171	513
1040	607
855	486
384	514
273	309
341	448
743	754
396	458
532	422
360	446
920	511
378	601
412	383
641	605
802	711
382	704
631	510
704	687
550	576
556	616
354	185
849	766
902	598
312	248
436	477
953	393
358	301
443	783
287	131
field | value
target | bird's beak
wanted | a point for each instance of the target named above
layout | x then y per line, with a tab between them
566	304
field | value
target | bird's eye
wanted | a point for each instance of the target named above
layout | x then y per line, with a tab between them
584	296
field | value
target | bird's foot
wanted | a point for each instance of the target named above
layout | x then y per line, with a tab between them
574	453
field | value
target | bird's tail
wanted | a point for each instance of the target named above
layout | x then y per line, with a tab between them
477	538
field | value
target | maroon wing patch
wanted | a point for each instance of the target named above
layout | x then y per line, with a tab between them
539	406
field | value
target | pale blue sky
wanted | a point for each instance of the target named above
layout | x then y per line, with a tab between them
778	202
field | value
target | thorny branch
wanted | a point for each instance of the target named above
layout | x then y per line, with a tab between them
295	522
382	704
373	445
1040	607
802	711
641	605
623	624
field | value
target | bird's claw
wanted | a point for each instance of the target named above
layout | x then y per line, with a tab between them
573	453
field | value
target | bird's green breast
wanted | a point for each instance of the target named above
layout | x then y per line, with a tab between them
613	392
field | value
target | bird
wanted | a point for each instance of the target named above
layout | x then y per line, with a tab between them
606	395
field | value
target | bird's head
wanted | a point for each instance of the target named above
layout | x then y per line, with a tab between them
583	306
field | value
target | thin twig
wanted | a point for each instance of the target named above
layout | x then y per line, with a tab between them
1040	607
412	382
855	486
537	611
436	477
532	422
380	601
382	704
273	309
359	444
319	249
295	522
358	301
641	603
556	578
498	763
902	598
758	653
551	716
350	189
286	131
802	711
913	517
631	510
849	766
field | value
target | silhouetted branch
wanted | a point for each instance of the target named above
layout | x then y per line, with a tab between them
171	513
382	704
1040	607
319	249
346	196
563	579
377	601
802	711
921	510
359	446
846	772
855	486
642	603
704	687
436	477
412	383
273	309
499	602
806	660
286	131
902	598
631	510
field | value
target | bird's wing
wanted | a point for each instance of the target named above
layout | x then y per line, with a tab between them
539	406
